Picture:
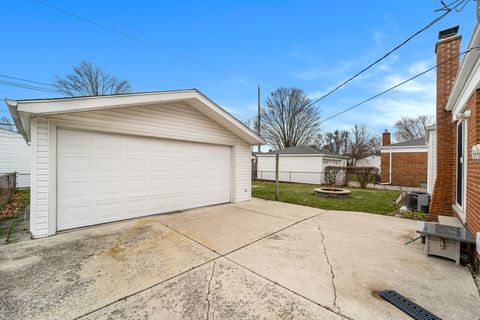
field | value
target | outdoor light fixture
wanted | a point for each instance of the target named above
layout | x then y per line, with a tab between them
461	116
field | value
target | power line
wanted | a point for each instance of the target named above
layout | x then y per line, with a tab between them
399	84
27	86
142	41
26	80
446	8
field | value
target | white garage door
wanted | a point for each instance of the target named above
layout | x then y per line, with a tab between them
107	177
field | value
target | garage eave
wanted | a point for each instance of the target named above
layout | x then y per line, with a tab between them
46	107
21	119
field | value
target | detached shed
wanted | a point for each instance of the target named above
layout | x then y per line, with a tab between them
300	164
15	156
108	158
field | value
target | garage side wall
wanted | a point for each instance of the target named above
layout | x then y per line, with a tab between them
170	121
242	173
39	178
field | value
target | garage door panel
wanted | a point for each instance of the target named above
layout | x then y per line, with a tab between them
107	187
106	177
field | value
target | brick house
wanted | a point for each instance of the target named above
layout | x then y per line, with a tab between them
456	188
404	163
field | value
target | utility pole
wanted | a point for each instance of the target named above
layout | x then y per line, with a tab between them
258	119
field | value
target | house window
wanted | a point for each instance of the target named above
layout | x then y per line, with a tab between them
460	163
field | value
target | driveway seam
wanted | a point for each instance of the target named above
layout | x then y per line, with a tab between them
266	214
289	290
147	288
362	237
202	264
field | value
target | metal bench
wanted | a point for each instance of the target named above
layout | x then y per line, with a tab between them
444	240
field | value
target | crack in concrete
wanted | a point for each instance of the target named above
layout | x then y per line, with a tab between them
325	253
213	260
207	298
337	312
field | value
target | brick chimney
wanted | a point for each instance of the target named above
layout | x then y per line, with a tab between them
386	138
447	47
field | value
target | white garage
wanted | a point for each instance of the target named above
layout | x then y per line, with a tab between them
300	164
109	158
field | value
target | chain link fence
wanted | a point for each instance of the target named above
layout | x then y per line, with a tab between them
402	182
8	186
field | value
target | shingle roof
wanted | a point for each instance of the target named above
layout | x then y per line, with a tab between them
420	142
302	150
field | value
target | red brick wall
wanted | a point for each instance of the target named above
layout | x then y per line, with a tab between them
473	166
444	190
409	169
386	138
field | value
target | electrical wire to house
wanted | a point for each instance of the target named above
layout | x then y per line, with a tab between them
399	84
457	5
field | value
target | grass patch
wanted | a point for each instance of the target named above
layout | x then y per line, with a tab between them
363	200
415	215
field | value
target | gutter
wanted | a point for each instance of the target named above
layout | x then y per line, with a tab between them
12	107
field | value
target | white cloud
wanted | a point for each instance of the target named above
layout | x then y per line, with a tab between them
320	70
378	36
411	99
300	52
420	66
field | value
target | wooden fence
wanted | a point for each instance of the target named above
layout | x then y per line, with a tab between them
8	186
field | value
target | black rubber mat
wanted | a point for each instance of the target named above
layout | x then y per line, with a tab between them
407	306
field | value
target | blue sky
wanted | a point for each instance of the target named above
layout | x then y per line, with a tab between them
313	45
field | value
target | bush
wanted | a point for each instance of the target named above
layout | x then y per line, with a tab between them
335	175
363	175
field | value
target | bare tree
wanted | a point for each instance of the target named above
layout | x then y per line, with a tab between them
334	142
7	124
288	119
410	128
359	145
89	80
374	145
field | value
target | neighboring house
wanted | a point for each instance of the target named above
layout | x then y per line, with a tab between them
404	163
370	161
15	156
431	140
114	157
456	190
298	164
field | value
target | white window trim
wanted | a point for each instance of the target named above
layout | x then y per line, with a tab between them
461	210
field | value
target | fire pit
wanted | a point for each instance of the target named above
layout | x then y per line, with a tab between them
332	193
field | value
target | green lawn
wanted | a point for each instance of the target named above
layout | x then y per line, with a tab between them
364	200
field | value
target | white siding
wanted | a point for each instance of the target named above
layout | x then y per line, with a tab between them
296	168
15	156
371	161
242	171
177	121
172	121
39	178
432	160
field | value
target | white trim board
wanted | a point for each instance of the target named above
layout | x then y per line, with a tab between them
404	150
468	76
23	110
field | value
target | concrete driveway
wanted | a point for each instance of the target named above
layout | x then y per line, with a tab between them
256	260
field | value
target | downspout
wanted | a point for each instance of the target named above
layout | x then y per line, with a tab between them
389	170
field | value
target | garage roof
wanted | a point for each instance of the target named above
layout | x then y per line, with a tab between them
420	142
22	110
302	150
